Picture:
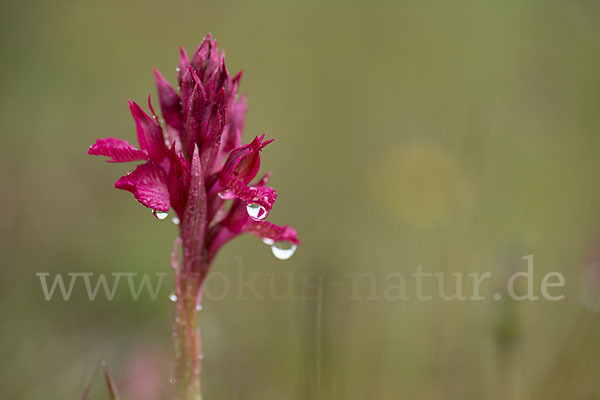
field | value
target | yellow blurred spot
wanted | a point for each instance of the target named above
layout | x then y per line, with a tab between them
421	184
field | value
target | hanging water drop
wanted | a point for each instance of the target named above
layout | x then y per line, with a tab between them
268	241
283	250
199	307
176	220
173	297
160	214
256	211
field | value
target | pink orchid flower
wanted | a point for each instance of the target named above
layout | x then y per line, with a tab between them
196	165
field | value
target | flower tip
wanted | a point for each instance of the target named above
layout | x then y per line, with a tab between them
290	235
196	154
94	151
195	77
157	75
238	76
134	107
259	140
256	141
150	106
266	143
122	183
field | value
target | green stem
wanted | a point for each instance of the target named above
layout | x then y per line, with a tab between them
186	336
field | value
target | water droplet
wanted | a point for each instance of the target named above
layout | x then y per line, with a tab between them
178	69
172	381
160	214
173	297
268	241
283	250
226	195
176	220
201	356
256	211
199	307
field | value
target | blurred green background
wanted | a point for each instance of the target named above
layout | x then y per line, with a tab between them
459	136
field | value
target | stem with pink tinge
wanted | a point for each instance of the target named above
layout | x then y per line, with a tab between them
186	333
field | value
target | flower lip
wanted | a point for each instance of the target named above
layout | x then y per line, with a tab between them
148	184
268	230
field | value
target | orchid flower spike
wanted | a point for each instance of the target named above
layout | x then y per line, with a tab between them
193	160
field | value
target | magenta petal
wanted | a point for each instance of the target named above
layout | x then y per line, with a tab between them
232	134
149	133
148	183
206	59
194	103
243	163
265	196
240	168
118	150
238	222
184	62
267	230
212	125
179	179
170	102
194	224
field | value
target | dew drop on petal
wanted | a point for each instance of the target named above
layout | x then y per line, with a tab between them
178	69
256	211
160	214
176	220
283	249
173	297
199	307
268	241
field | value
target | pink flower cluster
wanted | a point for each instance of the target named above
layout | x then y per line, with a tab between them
196	164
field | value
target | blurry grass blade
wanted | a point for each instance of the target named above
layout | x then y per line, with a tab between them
110	382
88	388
